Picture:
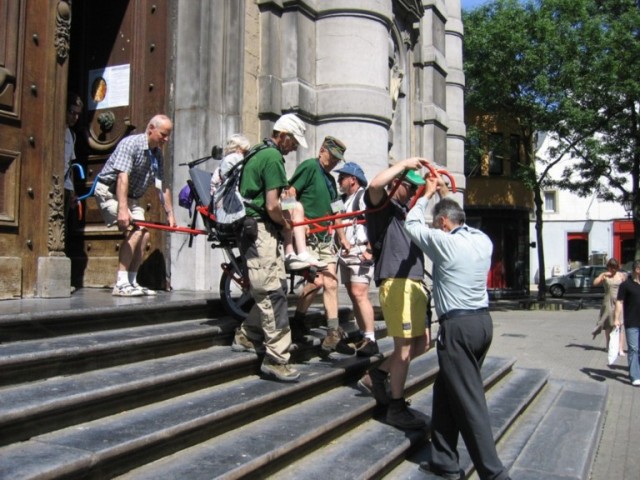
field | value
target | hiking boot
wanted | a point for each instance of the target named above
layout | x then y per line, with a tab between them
400	416
379	385
299	331
280	371
126	290
346	347
367	348
242	343
427	468
145	291
292	263
333	337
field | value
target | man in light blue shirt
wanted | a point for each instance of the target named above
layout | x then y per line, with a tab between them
461	257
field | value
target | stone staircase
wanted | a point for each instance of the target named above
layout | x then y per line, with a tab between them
153	391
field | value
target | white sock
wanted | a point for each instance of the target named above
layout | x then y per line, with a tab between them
370	335
123	277
132	277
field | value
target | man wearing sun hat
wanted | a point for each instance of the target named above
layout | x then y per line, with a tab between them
263	180
399	274
315	188
355	261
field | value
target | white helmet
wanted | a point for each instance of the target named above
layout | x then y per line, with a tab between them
289	123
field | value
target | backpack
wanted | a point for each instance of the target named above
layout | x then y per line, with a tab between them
226	203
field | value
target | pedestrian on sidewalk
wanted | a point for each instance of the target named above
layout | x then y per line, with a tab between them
399	274
461	258
610	279
628	303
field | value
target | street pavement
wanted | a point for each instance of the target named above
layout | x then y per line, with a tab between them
561	342
558	339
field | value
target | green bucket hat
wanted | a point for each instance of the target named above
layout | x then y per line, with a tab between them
414	178
336	147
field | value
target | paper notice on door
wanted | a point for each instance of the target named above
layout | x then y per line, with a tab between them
109	87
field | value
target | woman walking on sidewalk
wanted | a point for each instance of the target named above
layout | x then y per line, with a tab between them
610	280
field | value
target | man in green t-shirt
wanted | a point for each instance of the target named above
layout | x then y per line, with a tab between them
263	179
316	189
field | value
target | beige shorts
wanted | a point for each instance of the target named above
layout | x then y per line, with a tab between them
109	205
325	251
355	272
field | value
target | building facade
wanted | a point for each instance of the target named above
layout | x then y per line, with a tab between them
579	231
385	76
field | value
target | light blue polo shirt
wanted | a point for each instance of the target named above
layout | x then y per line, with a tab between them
461	261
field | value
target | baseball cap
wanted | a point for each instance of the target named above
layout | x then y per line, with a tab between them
290	123
353	169
336	147
414	178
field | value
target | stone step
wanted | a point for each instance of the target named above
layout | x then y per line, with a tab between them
255	448
564	442
50	322
31	360
373	448
506	401
133	437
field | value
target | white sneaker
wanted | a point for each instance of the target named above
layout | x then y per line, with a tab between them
126	290
145	291
636	383
293	262
311	260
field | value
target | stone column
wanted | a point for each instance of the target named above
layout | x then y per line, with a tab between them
208	88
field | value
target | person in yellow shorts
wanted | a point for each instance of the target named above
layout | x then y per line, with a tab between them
399	274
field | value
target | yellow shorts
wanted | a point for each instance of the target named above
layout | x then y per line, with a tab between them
404	306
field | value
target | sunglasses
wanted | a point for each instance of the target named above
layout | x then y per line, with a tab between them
410	187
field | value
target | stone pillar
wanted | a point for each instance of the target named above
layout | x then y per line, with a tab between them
456	132
208	96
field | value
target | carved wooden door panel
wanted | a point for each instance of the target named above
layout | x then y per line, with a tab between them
11	46
118	65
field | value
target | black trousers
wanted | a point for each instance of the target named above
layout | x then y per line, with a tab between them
459	403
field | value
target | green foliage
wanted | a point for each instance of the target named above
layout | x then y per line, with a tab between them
570	68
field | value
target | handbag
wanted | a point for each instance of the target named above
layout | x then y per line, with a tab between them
614	346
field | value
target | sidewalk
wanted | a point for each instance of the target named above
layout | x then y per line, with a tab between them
557	340
560	341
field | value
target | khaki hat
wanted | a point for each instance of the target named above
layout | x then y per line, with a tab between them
336	147
290	123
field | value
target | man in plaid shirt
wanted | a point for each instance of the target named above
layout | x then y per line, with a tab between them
136	163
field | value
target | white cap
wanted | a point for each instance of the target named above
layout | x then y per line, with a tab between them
289	123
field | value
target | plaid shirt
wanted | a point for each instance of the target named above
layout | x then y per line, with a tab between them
133	156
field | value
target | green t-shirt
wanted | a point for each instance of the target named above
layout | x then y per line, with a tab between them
263	172
316	188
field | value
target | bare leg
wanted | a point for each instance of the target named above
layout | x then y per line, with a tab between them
330	296
363	310
131	249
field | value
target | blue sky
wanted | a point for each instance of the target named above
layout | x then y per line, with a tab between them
471	4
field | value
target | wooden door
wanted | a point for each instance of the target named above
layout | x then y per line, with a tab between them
118	65
33	66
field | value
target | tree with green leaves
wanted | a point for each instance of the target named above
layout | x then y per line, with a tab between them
568	68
